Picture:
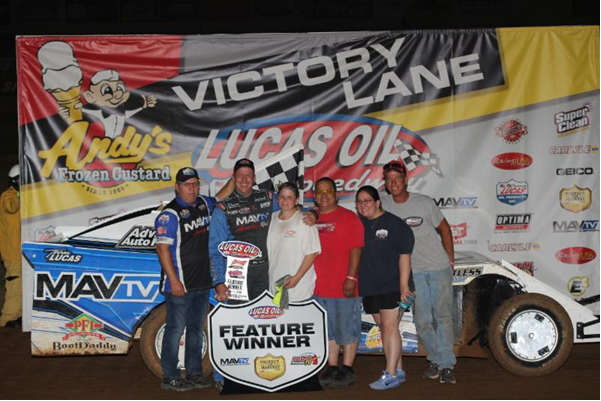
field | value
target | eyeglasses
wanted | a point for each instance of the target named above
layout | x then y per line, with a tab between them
324	192
189	184
364	202
396	166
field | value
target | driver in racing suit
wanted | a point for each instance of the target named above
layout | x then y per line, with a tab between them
243	216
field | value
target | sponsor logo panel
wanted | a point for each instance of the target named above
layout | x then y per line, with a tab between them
575	226
578	285
266	312
575	199
460	232
572	121
512	161
457	203
512	192
527	267
62	256
115	288
575	171
573	149
140	237
507	223
575	255
84	326
462	274
511	131
513	246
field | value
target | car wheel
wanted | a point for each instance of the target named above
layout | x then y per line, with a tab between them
531	335
151	342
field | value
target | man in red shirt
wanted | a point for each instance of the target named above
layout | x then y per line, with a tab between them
337	267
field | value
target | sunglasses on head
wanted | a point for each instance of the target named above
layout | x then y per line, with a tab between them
396	166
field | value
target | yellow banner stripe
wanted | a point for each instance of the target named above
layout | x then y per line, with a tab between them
540	64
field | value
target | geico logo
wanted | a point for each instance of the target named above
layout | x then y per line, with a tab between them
95	286
575	171
253	218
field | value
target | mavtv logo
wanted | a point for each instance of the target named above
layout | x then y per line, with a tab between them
457	203
574	226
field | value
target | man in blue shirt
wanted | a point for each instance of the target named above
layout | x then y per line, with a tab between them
182	232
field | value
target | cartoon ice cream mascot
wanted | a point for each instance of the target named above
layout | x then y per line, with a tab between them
107	98
62	78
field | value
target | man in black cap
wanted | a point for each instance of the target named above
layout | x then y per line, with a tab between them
182	234
243	216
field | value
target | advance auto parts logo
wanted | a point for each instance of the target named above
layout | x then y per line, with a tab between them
350	149
84	326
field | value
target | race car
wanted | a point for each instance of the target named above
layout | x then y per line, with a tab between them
97	290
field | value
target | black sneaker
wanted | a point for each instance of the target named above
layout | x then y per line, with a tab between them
447	376
199	381
344	378
176	385
14	323
328	375
432	371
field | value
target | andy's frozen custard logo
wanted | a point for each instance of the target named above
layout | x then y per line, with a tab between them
104	152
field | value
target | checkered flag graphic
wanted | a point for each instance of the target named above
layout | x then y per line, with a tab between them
413	158
287	166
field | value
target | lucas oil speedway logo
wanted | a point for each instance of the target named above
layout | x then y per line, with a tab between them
98	149
350	149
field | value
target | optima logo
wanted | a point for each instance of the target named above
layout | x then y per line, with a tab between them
513	222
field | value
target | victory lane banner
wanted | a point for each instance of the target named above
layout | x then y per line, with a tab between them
265	347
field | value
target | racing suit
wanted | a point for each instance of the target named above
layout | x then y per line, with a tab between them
10	249
185	229
245	219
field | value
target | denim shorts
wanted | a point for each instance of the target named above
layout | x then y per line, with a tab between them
344	318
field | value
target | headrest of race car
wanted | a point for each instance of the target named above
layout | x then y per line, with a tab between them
185	174
244	163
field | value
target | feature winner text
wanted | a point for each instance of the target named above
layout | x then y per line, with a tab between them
262	336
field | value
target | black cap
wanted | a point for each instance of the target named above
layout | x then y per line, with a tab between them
396	166
184	174
244	163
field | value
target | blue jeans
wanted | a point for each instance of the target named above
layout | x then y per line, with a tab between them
187	312
434	304
344	318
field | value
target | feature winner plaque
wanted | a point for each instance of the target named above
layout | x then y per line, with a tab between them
260	345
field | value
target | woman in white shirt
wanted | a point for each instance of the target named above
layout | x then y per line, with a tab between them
292	247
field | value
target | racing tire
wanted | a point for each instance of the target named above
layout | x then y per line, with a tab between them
531	335
151	341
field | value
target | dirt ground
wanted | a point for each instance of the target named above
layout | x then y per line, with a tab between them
126	377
